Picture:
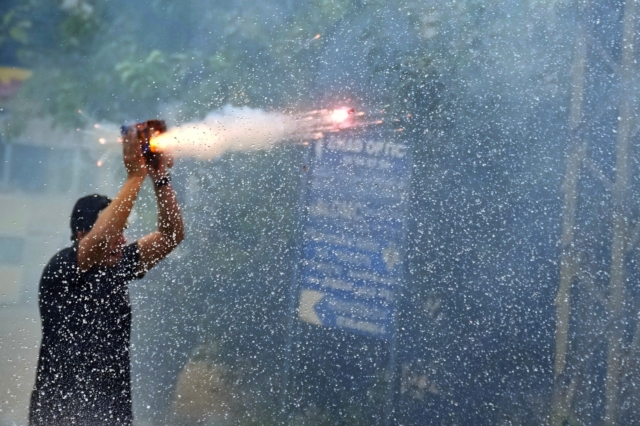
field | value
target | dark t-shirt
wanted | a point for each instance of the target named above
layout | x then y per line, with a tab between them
83	374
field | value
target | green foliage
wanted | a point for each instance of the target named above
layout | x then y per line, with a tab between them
78	30
13	28
249	54
15	24
150	76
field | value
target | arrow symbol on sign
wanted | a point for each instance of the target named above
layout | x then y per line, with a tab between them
308	300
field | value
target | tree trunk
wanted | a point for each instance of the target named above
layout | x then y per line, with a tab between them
620	230
569	259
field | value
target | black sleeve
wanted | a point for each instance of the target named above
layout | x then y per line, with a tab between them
62	270
130	263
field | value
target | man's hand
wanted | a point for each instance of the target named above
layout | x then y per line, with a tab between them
165	162
134	162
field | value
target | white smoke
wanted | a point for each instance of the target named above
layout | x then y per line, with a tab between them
231	129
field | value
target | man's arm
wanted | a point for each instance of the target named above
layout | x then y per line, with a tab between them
94	247
157	245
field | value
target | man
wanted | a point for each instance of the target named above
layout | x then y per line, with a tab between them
83	374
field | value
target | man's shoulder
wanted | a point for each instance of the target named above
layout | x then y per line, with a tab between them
65	261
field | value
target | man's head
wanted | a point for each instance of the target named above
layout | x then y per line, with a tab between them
85	213
83	217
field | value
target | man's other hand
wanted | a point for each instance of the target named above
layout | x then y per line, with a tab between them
165	162
134	162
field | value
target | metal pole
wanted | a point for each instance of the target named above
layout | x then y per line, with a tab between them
292	327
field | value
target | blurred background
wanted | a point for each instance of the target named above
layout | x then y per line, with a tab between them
518	297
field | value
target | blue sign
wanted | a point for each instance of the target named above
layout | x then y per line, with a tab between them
354	234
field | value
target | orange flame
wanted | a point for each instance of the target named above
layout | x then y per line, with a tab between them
156	143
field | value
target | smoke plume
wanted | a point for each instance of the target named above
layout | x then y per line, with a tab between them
232	129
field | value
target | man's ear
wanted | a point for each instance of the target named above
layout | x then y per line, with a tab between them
80	235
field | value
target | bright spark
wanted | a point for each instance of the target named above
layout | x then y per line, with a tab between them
339	115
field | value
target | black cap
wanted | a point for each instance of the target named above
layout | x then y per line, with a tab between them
86	211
